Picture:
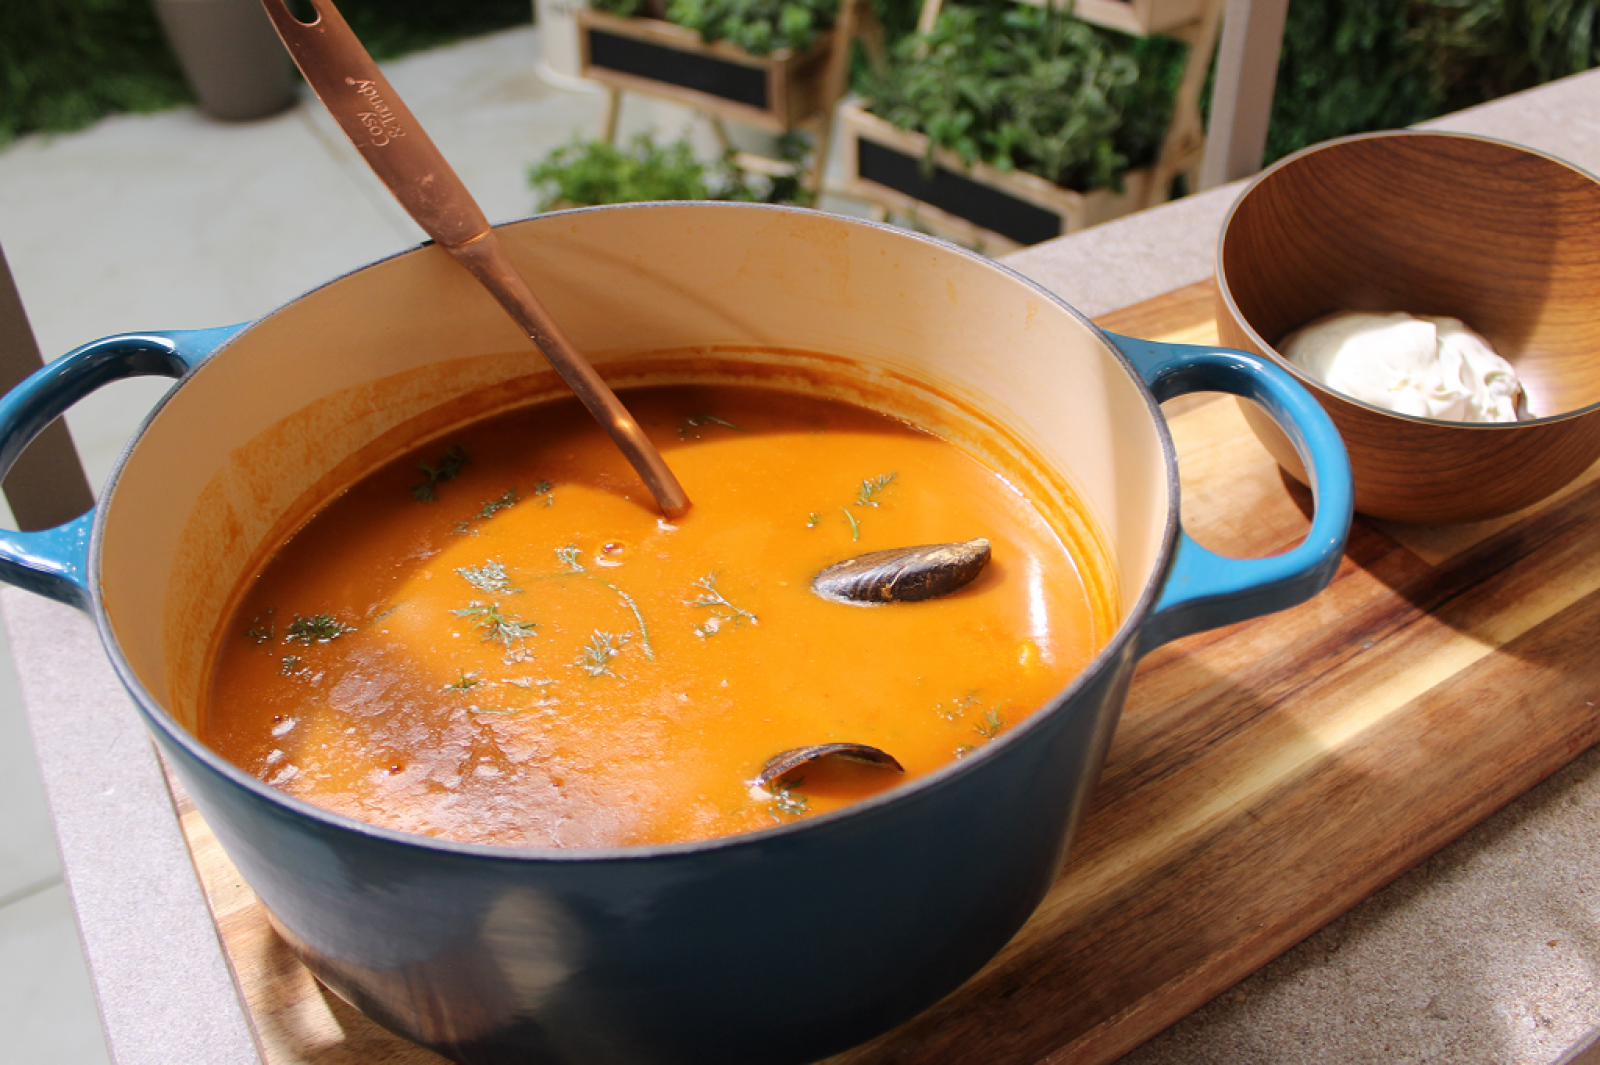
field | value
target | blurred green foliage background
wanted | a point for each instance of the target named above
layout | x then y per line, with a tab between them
1348	65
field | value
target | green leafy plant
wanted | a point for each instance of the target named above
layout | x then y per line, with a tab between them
1348	66
1351	66
1477	50
1022	87
760	27
588	173
67	63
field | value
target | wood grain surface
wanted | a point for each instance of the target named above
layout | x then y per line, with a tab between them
1265	777
1432	223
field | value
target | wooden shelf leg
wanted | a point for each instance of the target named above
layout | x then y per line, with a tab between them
1185	143
719	129
834	84
608	118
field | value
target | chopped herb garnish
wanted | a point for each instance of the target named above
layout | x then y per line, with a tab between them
786	801
644	632
717	603
463	681
990	726
489	577
956	708
318	628
569	556
290	666
261	630
867	491
504	628
813	520
695	421
595	659
855	526
446	469
507	500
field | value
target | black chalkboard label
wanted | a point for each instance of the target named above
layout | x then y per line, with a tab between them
711	75
956	194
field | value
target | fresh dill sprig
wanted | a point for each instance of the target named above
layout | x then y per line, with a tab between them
644	630
957	708
867	491
990	725
595	658
721	609
855	526
318	628
289	667
813	520
508	499
446	469
787	801
569	556
497	627
490	577
261	629
464	681
695	421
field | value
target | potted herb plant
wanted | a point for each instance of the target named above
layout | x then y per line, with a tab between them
1008	124
589	173
761	62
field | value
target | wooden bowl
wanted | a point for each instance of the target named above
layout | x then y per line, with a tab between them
1503	238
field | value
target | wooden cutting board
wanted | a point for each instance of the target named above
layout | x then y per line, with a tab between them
1265	777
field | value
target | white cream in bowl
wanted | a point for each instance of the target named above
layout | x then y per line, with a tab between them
1422	366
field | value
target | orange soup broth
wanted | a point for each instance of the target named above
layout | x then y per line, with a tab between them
536	658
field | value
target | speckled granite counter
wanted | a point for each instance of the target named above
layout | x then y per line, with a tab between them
1487	952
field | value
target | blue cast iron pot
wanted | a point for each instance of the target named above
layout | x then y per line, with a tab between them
780	946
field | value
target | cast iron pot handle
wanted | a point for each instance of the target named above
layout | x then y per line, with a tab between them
55	562
1204	589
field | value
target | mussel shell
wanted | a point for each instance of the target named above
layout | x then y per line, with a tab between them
903	574
783	763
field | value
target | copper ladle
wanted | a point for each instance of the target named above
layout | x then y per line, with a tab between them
393	143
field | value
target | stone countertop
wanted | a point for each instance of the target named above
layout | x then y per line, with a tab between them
1489	951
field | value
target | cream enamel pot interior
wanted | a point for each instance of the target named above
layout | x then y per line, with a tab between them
779	946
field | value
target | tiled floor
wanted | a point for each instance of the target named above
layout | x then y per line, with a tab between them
175	221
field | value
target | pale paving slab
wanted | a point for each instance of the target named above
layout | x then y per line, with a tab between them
47	1014
171	221
165	992
28	858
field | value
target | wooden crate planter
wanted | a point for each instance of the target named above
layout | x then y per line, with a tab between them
977	205
1177	18
1139	17
643	55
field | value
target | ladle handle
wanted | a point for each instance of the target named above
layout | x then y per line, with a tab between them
378	122
404	157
